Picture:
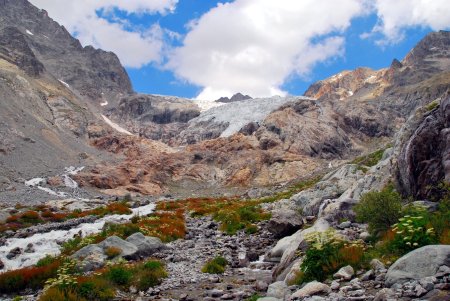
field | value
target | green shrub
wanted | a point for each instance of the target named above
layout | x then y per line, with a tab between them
251	229
379	209
95	288
215	266
119	275
412	232
149	275
57	294
432	105
47	260
327	252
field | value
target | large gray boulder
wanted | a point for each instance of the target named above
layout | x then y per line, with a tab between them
294	242
418	264
278	290
311	289
284	222
146	245
129	250
92	257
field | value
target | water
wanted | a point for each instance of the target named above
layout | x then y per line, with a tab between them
49	243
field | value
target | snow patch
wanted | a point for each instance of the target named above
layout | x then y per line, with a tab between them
350	92
29	32
116	126
64	83
52	192
35	181
205	105
105	103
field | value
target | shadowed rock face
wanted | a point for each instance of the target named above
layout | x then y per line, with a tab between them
94	73
424	161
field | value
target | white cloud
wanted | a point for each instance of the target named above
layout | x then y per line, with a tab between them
395	16
252	46
134	48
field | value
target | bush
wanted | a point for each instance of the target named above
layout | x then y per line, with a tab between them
379	209
412	232
47	260
95	288
57	294
119	275
149	275
112	252
327	253
215	266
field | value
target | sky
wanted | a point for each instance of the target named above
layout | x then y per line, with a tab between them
206	49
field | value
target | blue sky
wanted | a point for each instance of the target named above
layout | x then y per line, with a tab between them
206	49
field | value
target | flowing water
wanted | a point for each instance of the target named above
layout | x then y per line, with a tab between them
49	243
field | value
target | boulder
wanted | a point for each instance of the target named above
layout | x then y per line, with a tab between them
278	290
146	245
2	265
280	247
418	264
295	242
91	256
13	253
129	250
311	289
269	299
345	273
293	271
284	222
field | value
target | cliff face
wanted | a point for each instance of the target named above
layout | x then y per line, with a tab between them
94	73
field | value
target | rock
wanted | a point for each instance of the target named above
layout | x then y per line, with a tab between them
345	273
294	242
280	247
2	265
293	272
418	264
215	293
146	245
443	271
91	256
345	225
428	283
368	275
284	222
243	260
278	290
377	265
364	235
29	248
261	286
269	299
13	253
311	289
129	250
385	294
334	285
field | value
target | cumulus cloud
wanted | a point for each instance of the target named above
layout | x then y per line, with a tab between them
252	46
134	47
396	16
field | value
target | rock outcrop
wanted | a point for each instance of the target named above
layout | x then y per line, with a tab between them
424	161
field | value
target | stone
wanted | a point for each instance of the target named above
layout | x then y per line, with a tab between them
428	283
146	245
311	289
294	271
385	294
345	273
2	265
261	286
91	256
280	247
29	248
345	225
277	289
377	265
284	222
334	285
296	241
215	293
13	253
129	250
243	260
368	275
364	235
418	264
269	299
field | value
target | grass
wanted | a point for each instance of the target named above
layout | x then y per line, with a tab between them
372	159
215	266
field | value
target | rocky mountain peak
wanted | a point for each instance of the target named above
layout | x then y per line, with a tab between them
236	97
433	48
93	73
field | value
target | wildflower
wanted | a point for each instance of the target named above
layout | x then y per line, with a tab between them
408	243
415	244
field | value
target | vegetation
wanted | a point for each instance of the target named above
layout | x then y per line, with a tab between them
101	286
215	266
432	105
112	252
327	253
371	159
379	209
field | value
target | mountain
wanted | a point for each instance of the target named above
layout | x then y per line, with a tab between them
71	105
235	97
